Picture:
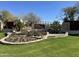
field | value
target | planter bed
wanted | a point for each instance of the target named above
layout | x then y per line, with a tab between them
20	39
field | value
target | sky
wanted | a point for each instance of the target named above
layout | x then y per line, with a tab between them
48	11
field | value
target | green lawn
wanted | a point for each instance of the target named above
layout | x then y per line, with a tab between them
68	46
2	34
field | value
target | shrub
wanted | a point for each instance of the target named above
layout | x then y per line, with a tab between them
5	34
56	26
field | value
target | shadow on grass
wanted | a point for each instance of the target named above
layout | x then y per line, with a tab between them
73	34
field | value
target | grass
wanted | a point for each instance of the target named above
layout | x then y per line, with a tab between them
67	46
2	34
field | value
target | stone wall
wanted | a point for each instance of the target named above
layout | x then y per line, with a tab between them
58	35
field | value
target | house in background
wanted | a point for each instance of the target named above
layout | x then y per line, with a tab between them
9	26
72	27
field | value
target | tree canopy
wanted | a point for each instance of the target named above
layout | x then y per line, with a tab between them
6	15
69	13
31	19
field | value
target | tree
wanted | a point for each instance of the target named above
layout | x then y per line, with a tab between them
19	25
31	19
6	16
56	26
69	13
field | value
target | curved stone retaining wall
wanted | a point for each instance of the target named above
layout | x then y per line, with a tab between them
44	37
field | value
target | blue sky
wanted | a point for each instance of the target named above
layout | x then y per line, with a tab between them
48	11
